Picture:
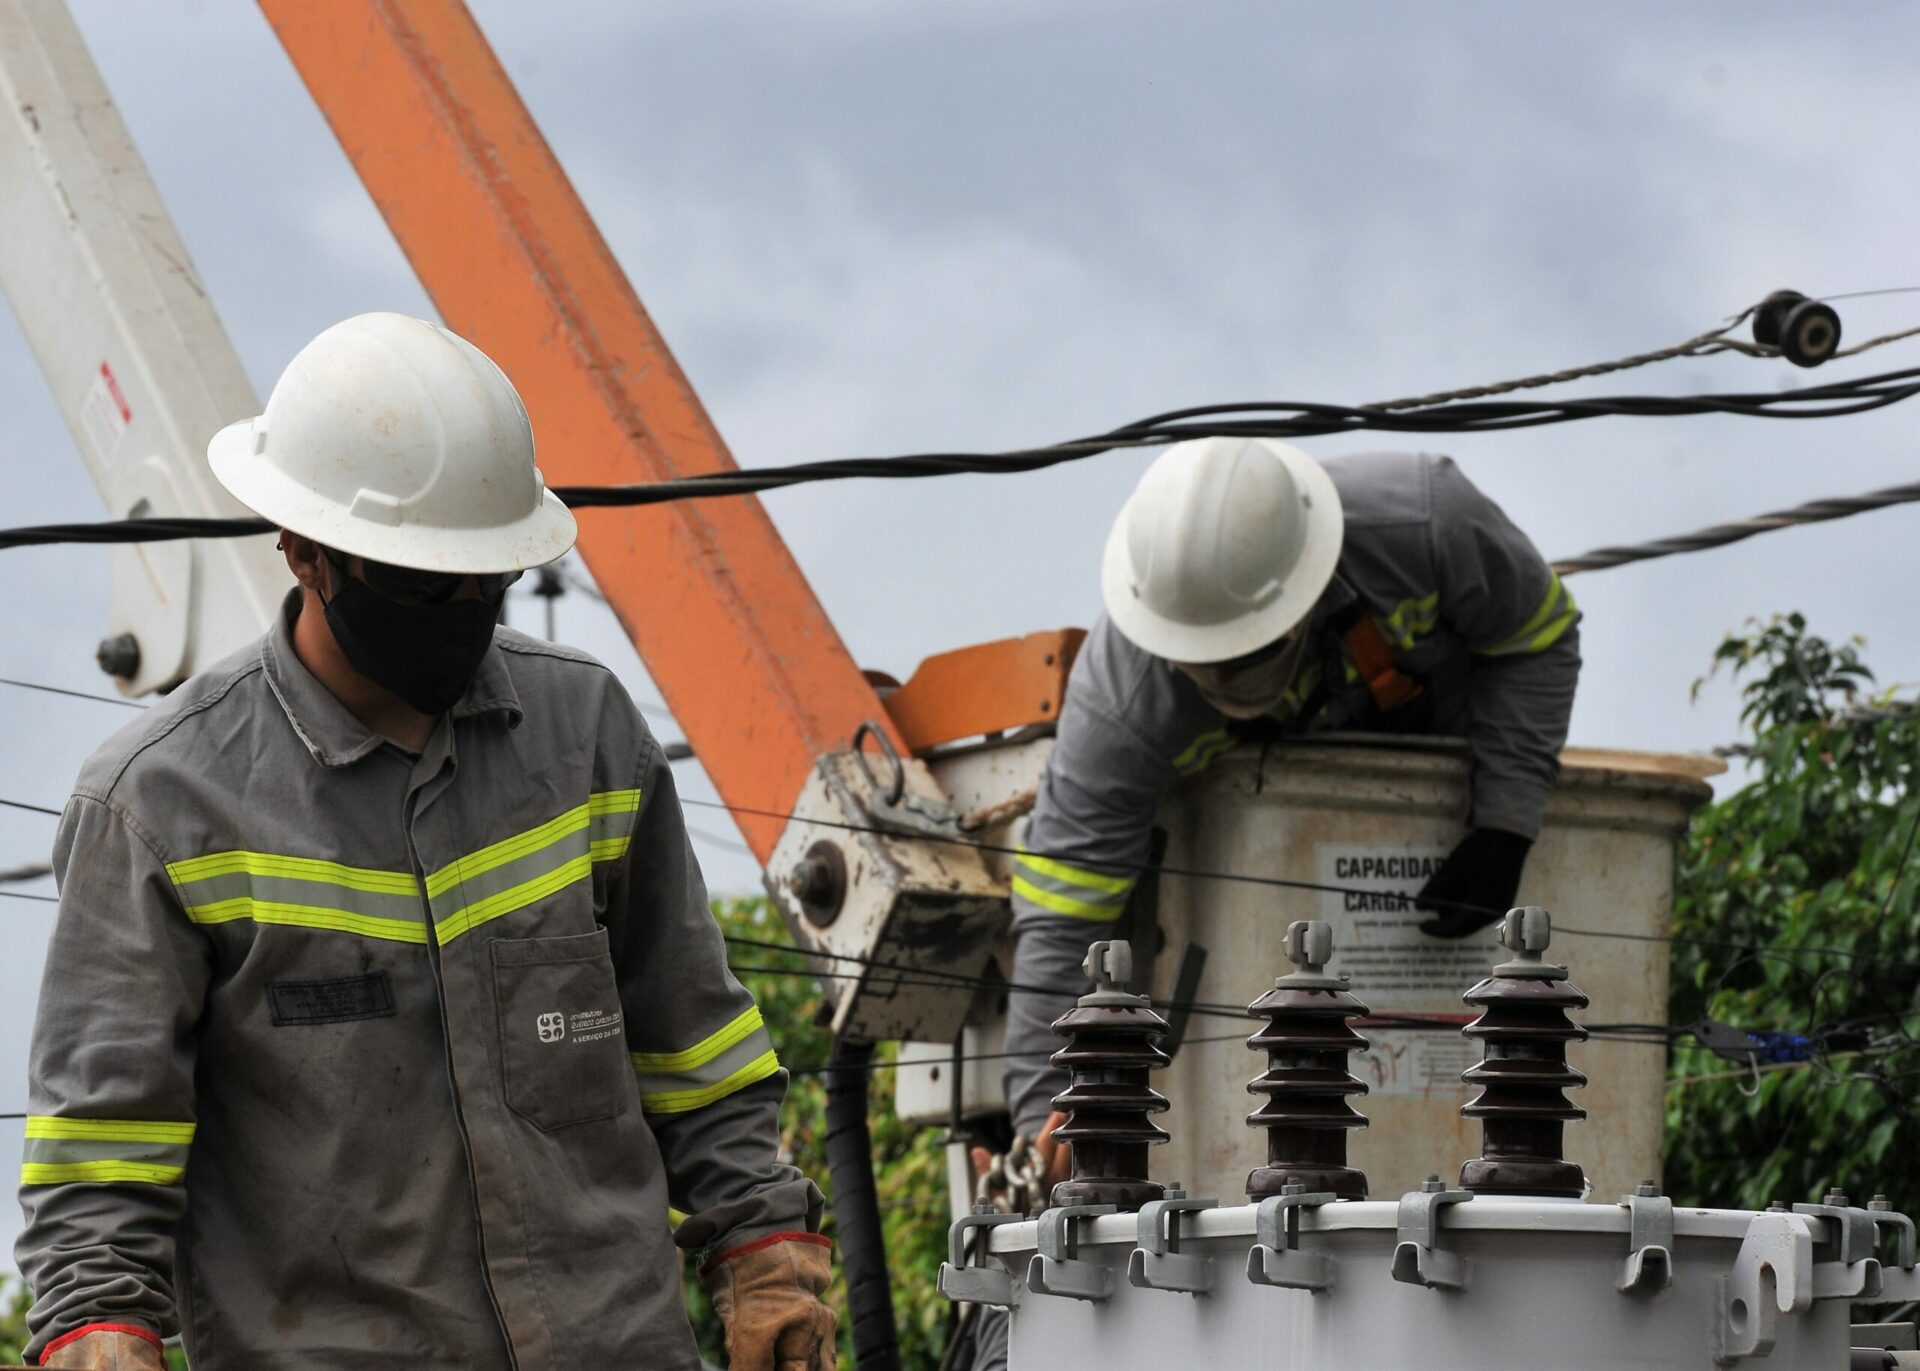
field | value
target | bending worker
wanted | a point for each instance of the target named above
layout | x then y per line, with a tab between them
1250	591
384	1015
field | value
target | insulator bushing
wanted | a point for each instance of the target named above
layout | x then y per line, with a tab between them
1524	1031
1110	1049
1308	1039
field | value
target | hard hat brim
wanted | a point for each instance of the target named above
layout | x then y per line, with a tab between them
1199	644
544	534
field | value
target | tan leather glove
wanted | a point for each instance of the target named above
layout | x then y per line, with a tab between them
768	1296
108	1351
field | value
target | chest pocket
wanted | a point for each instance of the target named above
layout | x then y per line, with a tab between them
563	1048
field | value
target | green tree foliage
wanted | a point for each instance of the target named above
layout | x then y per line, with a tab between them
909	1164
1800	889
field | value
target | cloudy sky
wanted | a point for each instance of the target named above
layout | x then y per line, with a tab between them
867	228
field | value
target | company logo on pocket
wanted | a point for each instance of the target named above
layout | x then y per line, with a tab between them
552	1027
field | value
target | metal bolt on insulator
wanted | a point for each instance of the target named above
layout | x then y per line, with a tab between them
1110	1049
1308	1038
1525	1030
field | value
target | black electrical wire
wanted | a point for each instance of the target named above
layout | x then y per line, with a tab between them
74	694
36	809
1242	878
1262	419
1721	535
1162	869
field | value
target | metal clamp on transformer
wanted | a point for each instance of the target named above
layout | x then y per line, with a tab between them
1852	1235
977	1284
1057	1269
1418	1257
1649	1263
1158	1263
1275	1258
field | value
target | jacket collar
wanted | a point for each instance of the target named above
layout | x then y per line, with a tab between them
328	728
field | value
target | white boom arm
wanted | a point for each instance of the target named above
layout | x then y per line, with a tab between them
132	350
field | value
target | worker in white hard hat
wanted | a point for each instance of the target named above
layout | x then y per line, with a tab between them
384	1016
1251	592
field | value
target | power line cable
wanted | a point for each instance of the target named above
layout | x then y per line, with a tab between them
75	694
1720	535
1271	419
1404	898
1244	878
36	809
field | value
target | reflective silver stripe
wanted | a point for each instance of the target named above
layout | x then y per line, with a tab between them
658	1085
282	890
567	850
1077	892
529	867
300	892
76	1151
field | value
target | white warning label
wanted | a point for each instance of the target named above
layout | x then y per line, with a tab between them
1376	936
1400	1064
104	413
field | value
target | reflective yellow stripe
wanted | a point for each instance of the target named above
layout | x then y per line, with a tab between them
307	916
1074	875
469	917
1193	749
1411	619
62	1173
507	850
293	869
681	1101
109	1130
614	802
1549	622
523	844
703	1051
1066	904
1212	753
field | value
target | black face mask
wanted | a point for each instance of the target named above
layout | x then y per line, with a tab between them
425	654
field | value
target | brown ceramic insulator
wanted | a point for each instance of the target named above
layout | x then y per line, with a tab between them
1308	1040
1110	1049
1524	1030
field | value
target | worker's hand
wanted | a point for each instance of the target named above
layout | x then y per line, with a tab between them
767	1294
1484	870
106	1351
1056	1161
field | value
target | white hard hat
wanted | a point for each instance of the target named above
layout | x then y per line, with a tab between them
392	438
1224	547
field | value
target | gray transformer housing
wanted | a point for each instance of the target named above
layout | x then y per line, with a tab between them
1439	1279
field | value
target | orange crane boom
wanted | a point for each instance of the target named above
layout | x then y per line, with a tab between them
747	659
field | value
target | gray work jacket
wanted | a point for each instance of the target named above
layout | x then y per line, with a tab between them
350	1058
1469	609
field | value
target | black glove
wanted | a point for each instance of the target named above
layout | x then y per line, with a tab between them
1484	871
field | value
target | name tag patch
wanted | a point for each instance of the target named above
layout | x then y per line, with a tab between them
350	997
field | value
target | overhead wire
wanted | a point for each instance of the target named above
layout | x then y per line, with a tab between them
1270	419
1721	535
1247	878
74	694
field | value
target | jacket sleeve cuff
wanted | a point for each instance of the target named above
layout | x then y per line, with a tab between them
144	1334
758	1244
